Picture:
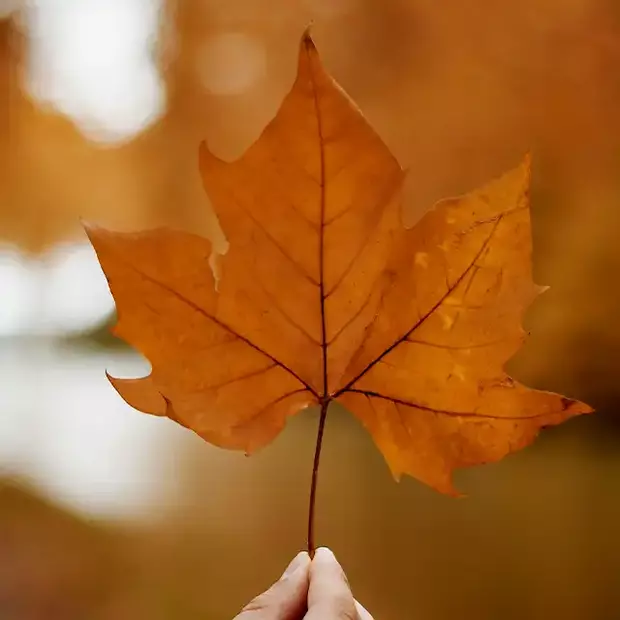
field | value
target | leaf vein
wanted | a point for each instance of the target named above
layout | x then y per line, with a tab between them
264	408
216	321
447	412
422	319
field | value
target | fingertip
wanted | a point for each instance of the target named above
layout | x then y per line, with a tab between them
324	555
329	595
324	564
300	561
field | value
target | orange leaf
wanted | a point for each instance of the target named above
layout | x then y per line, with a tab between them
323	295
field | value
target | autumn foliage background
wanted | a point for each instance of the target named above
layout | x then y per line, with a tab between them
106	513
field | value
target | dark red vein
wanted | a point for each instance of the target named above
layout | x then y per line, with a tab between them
273	300
423	318
273	240
479	345
447	412
284	178
247	375
399	413
217	322
321	231
376	216
359	311
340	214
324	399
352	204
474	273
264	408
489	220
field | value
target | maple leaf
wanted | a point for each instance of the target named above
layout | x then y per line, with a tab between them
325	296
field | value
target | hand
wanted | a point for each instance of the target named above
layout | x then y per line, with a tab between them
308	590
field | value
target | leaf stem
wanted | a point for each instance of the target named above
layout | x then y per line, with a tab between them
315	476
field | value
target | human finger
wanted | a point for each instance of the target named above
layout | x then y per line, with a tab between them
285	599
329	595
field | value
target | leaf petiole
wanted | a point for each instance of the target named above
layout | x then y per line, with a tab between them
315	474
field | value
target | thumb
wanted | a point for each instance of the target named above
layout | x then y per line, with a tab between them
329	595
285	599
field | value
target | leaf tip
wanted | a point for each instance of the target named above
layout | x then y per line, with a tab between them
99	235
306	38
445	486
307	49
90	229
576	407
141	394
85	224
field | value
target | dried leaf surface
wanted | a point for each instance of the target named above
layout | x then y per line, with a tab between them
324	295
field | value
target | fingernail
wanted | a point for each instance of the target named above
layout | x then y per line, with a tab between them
298	561
323	554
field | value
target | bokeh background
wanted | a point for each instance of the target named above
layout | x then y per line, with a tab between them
108	514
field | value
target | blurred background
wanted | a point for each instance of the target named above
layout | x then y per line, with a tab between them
108	514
